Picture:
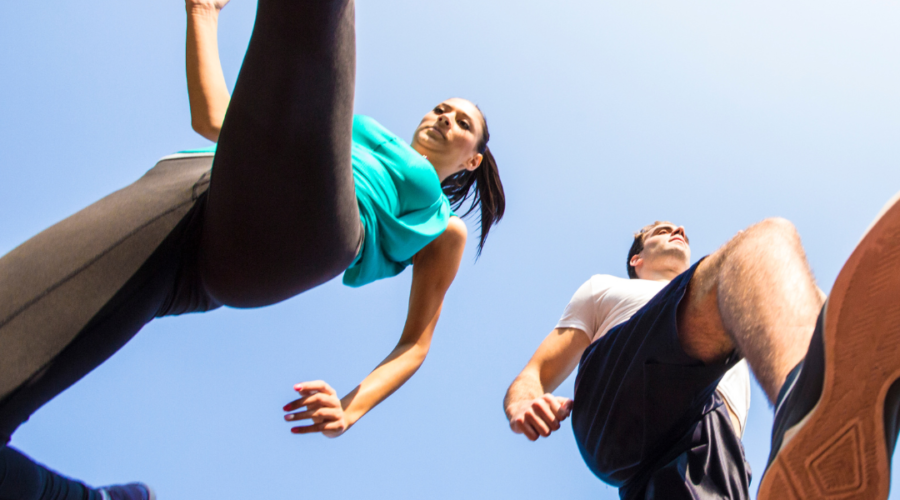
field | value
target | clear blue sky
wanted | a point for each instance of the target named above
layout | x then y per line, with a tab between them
604	116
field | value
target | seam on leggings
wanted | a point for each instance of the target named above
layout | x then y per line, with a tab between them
43	369
97	257
201	185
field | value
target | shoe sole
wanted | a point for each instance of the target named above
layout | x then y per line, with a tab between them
839	451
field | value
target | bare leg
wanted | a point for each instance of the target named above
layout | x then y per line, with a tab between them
756	294
282	214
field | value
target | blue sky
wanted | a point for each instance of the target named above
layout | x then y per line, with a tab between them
604	116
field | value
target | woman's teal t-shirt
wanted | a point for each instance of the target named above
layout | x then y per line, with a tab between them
401	204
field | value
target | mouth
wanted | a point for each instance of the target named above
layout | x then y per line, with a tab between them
437	131
679	239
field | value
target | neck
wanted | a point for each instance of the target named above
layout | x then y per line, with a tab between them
658	274
442	167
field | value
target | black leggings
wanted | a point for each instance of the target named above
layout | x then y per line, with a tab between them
278	217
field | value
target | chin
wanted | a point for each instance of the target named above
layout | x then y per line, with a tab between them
677	258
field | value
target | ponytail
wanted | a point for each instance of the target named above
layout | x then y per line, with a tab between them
488	192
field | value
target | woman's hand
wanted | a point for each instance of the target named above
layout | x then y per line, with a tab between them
205	4
434	268
322	407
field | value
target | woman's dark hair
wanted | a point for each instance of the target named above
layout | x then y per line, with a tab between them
488	192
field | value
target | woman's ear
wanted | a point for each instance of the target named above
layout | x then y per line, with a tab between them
474	162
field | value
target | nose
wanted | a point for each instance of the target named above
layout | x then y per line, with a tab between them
680	231
443	121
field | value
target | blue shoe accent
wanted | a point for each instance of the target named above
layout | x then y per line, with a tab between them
801	390
130	491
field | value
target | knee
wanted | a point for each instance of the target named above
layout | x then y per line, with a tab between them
338	256
778	224
777	230
256	277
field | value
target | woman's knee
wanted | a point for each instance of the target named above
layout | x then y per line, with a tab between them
257	276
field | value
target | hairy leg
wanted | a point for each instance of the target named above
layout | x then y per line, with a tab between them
755	294
282	214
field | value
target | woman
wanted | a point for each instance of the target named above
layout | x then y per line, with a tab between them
301	192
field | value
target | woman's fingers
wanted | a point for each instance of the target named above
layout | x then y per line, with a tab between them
332	428
322	406
315	386
328	421
319	399
307	429
318	415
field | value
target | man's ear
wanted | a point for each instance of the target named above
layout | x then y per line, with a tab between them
474	162
636	260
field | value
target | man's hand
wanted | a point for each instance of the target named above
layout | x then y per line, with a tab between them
539	416
322	407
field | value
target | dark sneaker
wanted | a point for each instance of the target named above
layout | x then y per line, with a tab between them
130	491
836	418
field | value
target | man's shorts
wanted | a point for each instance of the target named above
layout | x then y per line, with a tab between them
647	418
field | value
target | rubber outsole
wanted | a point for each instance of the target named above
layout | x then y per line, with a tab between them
839	450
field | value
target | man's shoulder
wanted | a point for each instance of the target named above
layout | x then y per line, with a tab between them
604	282
608	280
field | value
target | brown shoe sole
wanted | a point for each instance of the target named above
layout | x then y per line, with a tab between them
839	451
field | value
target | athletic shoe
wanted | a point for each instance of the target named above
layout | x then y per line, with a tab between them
130	491
836	419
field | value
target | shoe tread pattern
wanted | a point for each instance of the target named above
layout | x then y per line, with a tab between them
840	451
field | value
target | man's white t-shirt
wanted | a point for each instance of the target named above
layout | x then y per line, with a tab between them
605	301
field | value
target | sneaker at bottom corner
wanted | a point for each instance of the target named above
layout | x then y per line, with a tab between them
130	491
836	420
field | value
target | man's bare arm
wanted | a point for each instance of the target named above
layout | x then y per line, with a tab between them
530	407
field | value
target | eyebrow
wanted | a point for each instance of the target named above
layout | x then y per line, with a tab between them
458	110
668	226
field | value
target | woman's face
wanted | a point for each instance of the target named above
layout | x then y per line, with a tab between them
449	135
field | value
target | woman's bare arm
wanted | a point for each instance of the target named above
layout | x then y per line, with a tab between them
207	92
434	269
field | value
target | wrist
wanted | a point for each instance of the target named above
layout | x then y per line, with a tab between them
202	10
510	410
351	415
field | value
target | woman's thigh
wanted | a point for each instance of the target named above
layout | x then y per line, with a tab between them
75	293
135	305
282	215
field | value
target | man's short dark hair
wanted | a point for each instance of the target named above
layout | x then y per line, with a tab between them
637	246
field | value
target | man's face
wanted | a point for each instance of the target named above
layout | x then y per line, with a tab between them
666	246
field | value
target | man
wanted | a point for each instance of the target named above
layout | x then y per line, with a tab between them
652	414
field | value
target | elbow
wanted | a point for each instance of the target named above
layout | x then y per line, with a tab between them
420	352
205	128
416	352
